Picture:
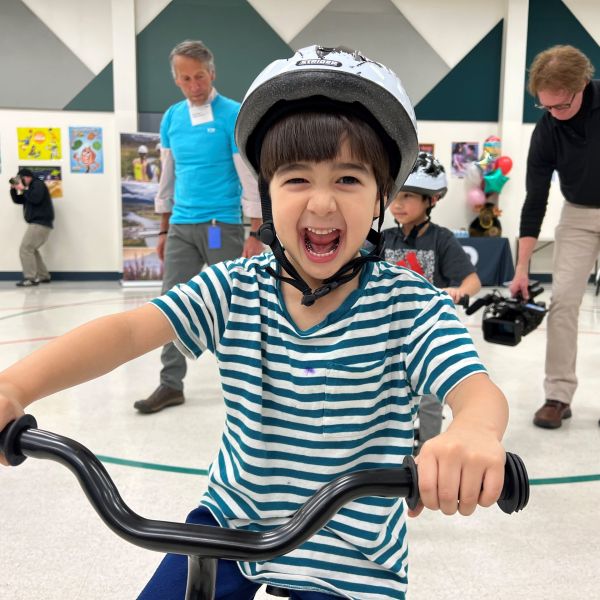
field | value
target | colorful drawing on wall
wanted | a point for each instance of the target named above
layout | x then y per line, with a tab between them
463	153
140	171
51	175
86	150
427	148
39	143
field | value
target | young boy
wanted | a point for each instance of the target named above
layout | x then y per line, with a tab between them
321	347
430	250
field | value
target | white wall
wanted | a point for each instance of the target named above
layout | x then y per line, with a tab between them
87	234
88	224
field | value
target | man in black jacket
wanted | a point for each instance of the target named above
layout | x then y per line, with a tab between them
34	196
567	140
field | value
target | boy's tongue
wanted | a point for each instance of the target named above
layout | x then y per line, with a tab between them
321	243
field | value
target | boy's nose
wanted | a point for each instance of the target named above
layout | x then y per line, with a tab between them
322	202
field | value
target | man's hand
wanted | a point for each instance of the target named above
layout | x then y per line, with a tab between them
458	470
160	247
252	247
520	283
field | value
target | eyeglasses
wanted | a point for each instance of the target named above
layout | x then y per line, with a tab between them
559	107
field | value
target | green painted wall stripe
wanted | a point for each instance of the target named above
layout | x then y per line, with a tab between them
189	471
152	466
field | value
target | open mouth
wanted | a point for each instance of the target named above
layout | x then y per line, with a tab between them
321	244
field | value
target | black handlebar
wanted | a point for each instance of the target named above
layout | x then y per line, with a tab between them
21	439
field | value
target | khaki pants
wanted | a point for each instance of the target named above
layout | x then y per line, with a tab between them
577	243
31	259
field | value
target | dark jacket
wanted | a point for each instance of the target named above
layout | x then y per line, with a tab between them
36	201
570	147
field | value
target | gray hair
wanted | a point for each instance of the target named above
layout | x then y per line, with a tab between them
192	49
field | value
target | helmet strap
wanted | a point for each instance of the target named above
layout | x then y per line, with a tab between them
348	272
411	238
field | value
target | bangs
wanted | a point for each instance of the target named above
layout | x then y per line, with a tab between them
317	137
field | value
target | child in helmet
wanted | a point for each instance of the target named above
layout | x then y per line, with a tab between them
321	346
432	251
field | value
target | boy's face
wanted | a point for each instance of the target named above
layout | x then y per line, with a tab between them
322	212
409	208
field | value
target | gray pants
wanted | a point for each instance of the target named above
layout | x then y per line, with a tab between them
430	418
577	243
29	252
187	252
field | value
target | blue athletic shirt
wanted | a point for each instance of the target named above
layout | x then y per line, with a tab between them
304	406
207	185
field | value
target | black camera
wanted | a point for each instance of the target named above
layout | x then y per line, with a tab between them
16	180
506	320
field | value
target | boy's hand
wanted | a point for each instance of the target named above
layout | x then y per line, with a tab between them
454	293
9	411
458	470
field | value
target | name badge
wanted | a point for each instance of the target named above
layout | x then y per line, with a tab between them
201	114
214	237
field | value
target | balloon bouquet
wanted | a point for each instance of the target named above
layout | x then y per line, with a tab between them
484	180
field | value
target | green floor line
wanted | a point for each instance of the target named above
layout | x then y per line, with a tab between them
189	471
153	466
572	479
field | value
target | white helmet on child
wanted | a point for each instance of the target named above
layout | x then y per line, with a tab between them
338	79
143	149
428	177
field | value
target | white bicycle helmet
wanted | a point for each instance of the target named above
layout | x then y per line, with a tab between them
428	177
337	80
143	149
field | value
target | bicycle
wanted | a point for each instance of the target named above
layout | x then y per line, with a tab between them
204	544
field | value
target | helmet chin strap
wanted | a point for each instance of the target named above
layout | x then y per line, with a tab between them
350	270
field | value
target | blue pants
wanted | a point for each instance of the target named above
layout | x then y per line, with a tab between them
169	580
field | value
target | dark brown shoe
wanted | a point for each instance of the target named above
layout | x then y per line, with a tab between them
551	415
160	398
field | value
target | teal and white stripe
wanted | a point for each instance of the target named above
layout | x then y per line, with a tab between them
306	406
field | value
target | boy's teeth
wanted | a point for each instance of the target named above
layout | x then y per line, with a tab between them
320	231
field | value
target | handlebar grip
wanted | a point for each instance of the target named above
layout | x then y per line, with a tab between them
10	436
515	490
464	301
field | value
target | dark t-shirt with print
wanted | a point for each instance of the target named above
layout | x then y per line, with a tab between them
437	255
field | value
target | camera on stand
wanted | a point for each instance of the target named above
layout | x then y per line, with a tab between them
506	320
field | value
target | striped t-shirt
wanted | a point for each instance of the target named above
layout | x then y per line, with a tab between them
304	406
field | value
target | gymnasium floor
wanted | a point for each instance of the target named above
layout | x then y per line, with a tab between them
53	546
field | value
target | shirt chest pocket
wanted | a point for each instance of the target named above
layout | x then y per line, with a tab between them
357	399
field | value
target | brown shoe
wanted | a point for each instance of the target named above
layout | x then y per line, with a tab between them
160	398
551	415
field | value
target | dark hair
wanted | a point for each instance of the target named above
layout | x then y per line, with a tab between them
559	68
25	172
315	137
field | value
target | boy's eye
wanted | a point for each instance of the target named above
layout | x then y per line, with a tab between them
348	180
296	180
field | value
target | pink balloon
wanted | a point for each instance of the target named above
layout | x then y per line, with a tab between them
504	163
475	198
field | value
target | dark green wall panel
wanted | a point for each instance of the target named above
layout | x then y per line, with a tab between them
551	23
97	95
242	42
471	90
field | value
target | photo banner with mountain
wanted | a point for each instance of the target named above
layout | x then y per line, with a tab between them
140	173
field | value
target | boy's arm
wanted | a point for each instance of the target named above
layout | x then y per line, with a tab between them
470	286
80	355
464	466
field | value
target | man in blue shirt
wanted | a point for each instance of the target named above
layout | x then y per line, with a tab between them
203	187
